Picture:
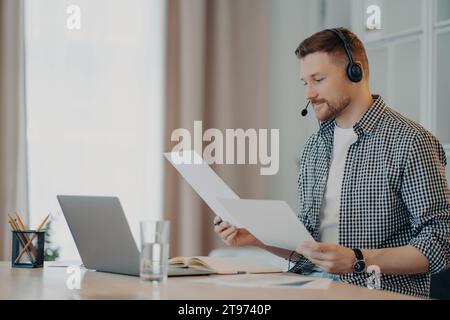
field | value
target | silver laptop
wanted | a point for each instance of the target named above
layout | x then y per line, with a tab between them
103	237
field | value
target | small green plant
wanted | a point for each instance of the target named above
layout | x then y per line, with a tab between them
51	251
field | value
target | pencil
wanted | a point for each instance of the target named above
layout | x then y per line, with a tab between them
32	238
22	226
19	235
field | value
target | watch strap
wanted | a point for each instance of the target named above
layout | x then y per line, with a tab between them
358	254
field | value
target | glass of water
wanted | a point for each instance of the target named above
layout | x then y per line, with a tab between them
154	258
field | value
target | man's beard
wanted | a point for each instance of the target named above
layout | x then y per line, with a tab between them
333	109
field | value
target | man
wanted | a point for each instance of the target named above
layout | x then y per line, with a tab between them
372	185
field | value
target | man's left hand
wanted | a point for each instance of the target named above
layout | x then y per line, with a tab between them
329	257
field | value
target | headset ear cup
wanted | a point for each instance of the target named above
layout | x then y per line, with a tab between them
354	72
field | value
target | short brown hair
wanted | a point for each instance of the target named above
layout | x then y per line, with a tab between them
327	41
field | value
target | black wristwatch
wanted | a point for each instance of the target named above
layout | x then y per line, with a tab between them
360	264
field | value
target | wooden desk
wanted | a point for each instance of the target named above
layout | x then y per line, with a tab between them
51	283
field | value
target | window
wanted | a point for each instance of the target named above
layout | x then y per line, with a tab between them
95	107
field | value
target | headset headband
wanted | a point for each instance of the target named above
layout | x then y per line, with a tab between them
341	36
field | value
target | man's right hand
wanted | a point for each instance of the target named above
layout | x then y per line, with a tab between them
233	236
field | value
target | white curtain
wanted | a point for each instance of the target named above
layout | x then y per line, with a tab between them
217	73
13	176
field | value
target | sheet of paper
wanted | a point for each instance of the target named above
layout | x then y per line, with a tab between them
63	264
268	281
208	185
271	221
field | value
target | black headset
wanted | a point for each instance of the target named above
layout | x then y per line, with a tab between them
354	72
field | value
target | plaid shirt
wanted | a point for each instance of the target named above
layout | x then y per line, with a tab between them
394	193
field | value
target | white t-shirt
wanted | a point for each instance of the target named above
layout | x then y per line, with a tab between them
329	210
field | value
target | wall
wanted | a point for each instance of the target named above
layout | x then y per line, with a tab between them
290	21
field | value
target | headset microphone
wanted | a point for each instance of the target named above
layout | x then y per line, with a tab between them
305	110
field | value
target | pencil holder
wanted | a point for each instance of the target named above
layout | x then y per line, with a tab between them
27	249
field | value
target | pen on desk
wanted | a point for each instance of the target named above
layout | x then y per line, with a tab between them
32	238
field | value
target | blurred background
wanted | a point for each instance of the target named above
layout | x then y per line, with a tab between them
90	109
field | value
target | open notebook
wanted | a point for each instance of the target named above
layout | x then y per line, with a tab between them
225	265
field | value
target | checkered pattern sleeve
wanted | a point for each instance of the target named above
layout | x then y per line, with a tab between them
426	196
302	181
303	264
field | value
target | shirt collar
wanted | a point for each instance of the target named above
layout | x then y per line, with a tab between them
365	125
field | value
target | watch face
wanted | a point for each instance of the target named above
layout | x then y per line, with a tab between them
359	266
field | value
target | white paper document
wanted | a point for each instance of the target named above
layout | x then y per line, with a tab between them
271	221
208	185
268	281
